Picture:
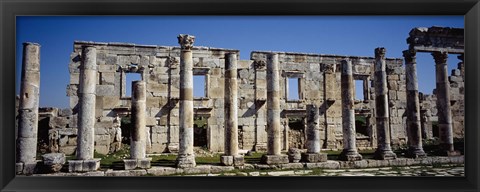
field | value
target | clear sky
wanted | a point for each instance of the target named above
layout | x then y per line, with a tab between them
340	35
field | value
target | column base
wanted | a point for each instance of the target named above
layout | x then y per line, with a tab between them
274	159
415	153
83	165
314	157
348	155
227	160
26	168
384	155
448	153
185	161
137	163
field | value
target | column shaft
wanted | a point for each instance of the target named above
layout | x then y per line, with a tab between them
313	129
273	106
87	96
231	106
137	134
384	150
186	156
350	152
443	101
414	129
28	104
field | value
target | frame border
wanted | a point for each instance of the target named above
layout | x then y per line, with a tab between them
9	9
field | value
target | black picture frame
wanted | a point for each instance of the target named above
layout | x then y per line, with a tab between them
9	9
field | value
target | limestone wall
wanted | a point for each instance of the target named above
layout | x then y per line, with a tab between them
318	79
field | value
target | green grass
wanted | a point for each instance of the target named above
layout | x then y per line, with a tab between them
114	160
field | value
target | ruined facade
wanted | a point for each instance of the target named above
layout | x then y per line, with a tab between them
319	83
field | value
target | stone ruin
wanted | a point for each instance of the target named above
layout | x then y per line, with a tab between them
246	103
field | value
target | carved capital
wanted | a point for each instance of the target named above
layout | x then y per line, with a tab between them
440	57
186	41
329	68
260	64
173	62
380	52
410	56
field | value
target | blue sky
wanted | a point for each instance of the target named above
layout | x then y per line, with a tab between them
340	35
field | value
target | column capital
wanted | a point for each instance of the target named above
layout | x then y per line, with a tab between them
410	56
380	52
329	68
440	57
186	41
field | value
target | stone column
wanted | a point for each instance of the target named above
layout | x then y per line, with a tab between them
384	150
231	156
444	112
414	129
138	131
274	129
313	136
28	109
349	152
186	156
86	113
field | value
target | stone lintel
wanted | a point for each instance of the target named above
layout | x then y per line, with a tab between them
314	157
144	163
274	159
232	160
439	49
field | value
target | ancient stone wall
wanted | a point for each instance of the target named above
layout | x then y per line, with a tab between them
428	107
318	78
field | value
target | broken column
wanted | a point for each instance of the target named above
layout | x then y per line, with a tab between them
414	129
138	158
444	111
274	147
349	152
28	109
231	156
384	150
313	136
86	114
186	156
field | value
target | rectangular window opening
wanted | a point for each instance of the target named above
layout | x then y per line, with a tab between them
129	79
359	90
199	86
293	92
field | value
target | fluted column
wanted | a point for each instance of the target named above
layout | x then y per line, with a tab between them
274	146
28	108
231	156
349	152
384	150
444	111
138	131
414	129
186	156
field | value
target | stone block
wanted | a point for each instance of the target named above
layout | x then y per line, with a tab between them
91	165
75	166
105	90
159	171
130	164
274	159
314	157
